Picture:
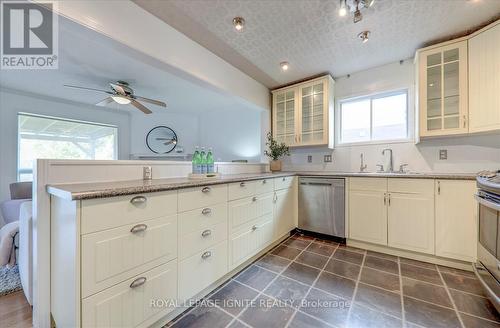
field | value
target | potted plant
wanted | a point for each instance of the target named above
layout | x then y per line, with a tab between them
275	152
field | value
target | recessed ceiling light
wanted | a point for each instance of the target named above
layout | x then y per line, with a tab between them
238	23
364	36
284	66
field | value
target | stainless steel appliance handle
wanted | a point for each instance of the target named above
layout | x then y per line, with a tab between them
316	183
487	203
478	268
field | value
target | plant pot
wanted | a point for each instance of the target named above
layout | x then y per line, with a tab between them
275	166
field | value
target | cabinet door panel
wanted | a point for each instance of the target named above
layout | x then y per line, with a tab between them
368	216
285	116
284	211
456	220
411	222
484	80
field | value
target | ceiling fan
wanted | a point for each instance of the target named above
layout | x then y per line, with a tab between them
122	94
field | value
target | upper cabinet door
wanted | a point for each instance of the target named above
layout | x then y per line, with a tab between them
285	116
484	80
443	90
313	105
303	113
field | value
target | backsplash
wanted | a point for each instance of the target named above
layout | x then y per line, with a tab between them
465	155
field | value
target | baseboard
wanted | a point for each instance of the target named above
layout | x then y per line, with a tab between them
180	310
412	255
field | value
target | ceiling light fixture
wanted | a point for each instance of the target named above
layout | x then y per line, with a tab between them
121	100
284	66
238	23
364	36
355	7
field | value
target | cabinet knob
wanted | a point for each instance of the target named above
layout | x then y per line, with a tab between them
254	228
138	282
254	199
264	181
206	211
138	200
206	255
283	179
138	228
242	184
206	189
206	233
439	187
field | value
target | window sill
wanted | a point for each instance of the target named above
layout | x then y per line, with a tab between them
375	142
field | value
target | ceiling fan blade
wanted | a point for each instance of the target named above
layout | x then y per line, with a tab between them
118	88
105	102
85	88
140	106
151	101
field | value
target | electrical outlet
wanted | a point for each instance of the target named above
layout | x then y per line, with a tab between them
147	173
443	154
309	159
327	158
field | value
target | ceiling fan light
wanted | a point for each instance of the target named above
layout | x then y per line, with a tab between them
343	8
368	3
364	36
357	16
121	100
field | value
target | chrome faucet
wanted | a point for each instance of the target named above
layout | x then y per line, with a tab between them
391	164
362	165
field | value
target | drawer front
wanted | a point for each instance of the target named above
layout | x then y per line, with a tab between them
196	241
193	198
107	213
264	186
369	184
126	306
111	256
411	186
201	218
248	209
240	190
248	241
198	271
283	182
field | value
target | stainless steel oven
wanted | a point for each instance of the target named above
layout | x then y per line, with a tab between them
487	268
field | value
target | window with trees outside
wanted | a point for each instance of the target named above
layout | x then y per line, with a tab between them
381	117
58	138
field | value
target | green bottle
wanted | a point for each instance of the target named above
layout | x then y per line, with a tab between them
196	162
203	161
210	161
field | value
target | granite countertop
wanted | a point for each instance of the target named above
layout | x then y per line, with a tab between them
78	191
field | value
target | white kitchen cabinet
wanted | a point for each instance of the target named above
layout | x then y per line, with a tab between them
484	80
456	219
303	113
284	211
443	91
368	210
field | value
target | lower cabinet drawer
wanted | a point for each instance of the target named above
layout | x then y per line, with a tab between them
245	210
111	256
129	304
283	182
249	240
201	239
201	270
201	218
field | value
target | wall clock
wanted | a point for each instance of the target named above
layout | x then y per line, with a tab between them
161	140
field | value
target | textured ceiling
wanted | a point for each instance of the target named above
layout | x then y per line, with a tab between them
311	36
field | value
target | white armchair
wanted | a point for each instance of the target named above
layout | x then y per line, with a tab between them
25	256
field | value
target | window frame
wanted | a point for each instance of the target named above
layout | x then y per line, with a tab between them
19	114
371	97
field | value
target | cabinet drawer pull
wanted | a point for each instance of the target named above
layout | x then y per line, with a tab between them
284	179
439	187
389	199
138	200
264	181
206	189
138	228
254	199
254	228
138	282
206	233
242	184
206	255
206	211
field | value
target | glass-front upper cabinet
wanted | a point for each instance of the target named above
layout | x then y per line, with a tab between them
443	90
303	113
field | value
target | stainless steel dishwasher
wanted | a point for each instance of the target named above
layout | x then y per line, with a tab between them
322	205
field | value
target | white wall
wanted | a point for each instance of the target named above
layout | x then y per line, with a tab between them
12	102
465	154
185	126
233	134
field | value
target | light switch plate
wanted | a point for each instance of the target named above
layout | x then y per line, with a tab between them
443	154
309	159
328	158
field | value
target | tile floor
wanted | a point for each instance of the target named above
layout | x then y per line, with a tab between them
308	282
